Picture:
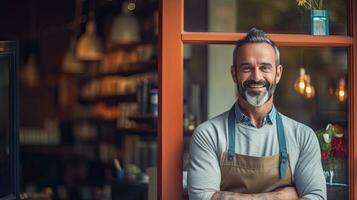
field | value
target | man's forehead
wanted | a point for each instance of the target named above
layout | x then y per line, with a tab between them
256	50
261	46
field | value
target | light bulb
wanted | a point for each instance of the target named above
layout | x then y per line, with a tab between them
309	89
310	92
341	92
301	85
300	82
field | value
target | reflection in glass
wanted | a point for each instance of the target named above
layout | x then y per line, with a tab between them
322	69
278	16
4	127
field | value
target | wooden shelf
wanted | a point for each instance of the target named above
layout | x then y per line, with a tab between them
51	150
127	46
110	100
96	120
143	117
60	152
133	68
138	131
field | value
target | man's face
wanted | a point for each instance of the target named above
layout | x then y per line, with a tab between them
256	73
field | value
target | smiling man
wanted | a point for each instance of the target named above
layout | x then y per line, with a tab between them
253	151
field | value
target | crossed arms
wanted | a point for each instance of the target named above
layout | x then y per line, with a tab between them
286	193
204	175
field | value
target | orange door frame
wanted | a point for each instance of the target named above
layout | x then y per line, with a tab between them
170	100
172	39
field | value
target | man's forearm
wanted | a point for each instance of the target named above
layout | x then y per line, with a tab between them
278	195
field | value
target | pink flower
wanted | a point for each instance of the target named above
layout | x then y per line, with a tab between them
324	155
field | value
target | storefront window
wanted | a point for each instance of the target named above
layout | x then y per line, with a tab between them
279	16
313	90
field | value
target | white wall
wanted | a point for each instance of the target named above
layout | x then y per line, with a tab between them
221	88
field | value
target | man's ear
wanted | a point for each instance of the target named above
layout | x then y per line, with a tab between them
279	72
233	73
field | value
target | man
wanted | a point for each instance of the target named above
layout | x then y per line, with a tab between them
252	151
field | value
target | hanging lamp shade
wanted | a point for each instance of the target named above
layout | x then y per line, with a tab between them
125	27
89	46
70	62
30	72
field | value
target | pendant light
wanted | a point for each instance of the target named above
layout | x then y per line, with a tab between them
70	62
300	83
303	84
89	46
125	27
309	89
341	91
29	73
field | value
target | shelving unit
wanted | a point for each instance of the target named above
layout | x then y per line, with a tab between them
109	100
83	159
137	131
132	69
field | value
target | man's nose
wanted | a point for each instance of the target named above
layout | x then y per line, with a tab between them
256	74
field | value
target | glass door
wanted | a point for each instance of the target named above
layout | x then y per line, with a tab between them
323	46
9	166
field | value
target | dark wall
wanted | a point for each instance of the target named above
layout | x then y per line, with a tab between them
38	25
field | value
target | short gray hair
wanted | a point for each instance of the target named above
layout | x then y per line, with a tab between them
256	36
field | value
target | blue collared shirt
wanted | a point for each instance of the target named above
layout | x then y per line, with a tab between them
243	118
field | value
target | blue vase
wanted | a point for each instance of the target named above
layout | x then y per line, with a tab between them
319	22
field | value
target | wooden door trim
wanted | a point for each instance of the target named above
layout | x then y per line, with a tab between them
279	39
170	123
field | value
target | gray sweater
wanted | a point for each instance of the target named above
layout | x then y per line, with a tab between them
209	141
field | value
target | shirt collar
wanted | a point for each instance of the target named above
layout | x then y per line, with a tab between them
242	118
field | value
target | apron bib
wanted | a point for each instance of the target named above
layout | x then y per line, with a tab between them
250	174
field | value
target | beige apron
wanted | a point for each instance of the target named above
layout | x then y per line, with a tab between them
249	174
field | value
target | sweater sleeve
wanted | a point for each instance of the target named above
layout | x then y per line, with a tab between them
309	178
204	176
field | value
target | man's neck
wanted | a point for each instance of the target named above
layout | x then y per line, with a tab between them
256	114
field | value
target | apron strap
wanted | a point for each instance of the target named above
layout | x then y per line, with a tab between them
282	146
283	152
231	133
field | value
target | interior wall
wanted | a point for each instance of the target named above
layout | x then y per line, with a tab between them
221	88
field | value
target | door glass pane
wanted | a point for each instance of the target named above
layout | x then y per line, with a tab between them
4	127
278	16
209	91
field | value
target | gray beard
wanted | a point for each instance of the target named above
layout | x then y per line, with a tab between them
256	99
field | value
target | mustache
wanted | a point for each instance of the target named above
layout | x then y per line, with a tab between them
253	82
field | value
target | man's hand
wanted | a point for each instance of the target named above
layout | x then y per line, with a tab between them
286	193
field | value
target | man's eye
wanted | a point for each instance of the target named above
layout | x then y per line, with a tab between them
245	68
265	68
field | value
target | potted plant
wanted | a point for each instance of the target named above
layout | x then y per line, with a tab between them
333	154
319	17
